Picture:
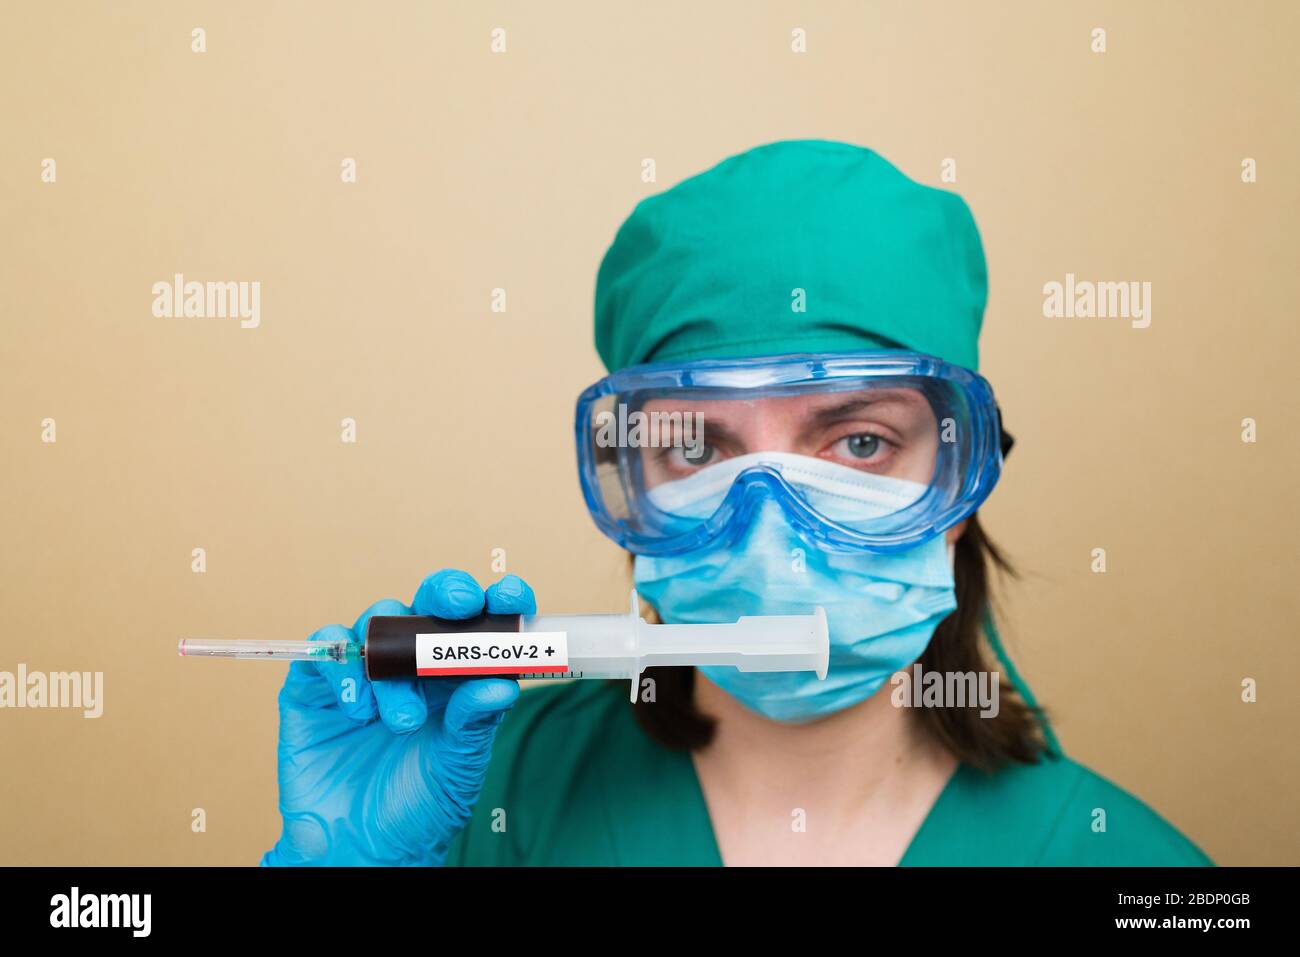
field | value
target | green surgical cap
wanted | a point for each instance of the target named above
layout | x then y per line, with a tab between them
797	246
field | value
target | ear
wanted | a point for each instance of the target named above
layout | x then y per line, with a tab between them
956	532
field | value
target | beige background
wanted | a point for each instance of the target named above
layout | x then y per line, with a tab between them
514	170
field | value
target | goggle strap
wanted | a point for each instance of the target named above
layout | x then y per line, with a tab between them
1006	439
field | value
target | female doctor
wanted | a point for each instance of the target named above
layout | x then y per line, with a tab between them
819	312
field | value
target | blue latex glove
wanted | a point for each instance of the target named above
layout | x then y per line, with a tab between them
387	772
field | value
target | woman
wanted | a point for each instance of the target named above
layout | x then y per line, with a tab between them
816	313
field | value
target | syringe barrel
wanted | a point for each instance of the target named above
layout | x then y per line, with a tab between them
588	645
604	645
555	646
404	646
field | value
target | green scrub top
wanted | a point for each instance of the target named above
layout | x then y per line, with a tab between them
575	781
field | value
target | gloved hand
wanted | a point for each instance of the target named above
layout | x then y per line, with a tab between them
387	772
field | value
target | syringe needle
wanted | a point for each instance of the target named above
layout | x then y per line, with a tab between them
340	650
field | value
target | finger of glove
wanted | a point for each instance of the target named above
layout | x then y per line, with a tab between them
324	684
400	701
476	708
511	596
450	593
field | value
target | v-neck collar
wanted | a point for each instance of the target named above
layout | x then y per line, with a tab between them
692	814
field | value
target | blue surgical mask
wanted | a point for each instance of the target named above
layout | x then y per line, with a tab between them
882	609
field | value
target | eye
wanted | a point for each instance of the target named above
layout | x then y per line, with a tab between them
863	445
699	455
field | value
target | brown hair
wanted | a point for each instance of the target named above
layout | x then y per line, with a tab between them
1014	734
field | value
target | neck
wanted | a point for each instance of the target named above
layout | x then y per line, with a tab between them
867	754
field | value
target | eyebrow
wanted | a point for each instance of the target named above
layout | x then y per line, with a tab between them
844	410
714	431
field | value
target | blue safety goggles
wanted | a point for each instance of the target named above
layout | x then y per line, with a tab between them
873	451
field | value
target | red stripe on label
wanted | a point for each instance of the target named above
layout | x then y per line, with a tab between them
536	669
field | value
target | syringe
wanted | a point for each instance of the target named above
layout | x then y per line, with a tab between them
551	646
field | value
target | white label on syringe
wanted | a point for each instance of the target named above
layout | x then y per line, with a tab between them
492	653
